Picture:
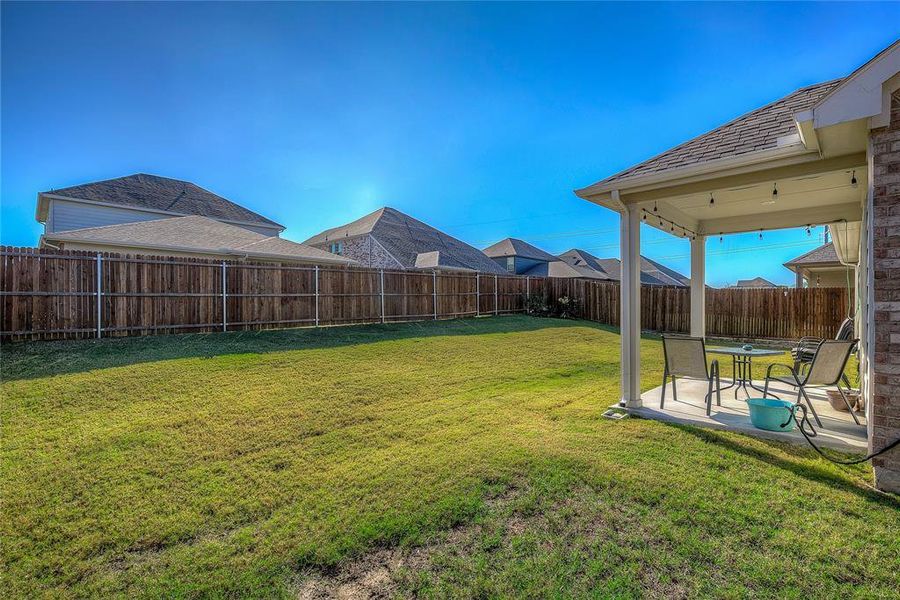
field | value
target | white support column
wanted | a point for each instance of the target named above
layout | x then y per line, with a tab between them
630	294
698	286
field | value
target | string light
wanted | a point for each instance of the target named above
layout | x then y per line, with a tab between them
853	179
760	233
774	191
682	231
720	237
808	231
712	200
655	208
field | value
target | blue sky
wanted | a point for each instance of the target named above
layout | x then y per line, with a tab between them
479	119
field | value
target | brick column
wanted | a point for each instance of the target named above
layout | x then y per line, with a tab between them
886	265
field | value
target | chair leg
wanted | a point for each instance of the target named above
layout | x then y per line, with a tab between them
674	390
847	402
709	397
846	381
766	388
662	396
718	388
811	407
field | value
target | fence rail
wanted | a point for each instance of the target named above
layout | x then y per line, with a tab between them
54	294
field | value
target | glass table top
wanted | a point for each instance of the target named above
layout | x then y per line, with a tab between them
738	351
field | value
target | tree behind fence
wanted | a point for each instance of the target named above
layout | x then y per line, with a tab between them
52	294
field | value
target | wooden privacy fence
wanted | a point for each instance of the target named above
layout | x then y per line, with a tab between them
52	294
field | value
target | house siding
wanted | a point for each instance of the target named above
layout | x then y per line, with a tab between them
67	215
885	417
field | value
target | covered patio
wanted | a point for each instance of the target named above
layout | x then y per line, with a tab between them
838	432
819	156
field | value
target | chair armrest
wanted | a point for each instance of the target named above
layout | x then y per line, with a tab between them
788	367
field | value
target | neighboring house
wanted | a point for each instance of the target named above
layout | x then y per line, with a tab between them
390	239
756	282
193	236
141	197
652	272
820	267
517	256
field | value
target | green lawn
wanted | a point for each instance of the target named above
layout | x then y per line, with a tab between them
452	459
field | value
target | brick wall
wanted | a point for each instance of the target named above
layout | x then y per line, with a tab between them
886	266
367	252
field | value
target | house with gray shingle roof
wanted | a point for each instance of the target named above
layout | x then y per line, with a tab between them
756	282
652	272
390	239
518	256
191	236
141	197
820	267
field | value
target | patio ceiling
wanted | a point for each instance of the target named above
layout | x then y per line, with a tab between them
811	191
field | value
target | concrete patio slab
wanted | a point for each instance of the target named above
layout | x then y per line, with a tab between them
838	431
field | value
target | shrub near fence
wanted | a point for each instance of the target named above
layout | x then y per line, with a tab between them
54	294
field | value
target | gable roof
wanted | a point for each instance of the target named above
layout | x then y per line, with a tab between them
520	248
652	272
156	193
823	255
405	238
196	234
756	282
758	130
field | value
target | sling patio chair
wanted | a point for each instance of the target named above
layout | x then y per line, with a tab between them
686	357
805	349
825	369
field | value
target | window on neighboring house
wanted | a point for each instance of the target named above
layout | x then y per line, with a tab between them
336	248
510	264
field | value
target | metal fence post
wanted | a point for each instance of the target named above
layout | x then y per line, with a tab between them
224	299
382	295
99	294
434	292
477	294
527	292
496	305
317	295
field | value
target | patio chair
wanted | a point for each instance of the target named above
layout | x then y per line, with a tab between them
686	357
825	369
805	349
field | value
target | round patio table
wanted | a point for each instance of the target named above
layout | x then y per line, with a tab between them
742	367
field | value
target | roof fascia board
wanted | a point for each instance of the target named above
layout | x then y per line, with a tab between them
859	96
751	159
154	210
806	129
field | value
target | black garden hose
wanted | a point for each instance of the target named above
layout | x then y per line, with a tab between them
803	423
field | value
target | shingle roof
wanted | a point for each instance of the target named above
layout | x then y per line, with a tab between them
520	248
756	282
165	194
757	130
198	234
652	272
822	255
405	238
562	269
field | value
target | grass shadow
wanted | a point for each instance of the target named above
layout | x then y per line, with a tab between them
30	360
810	472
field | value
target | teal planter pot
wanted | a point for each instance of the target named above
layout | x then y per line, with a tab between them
769	414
